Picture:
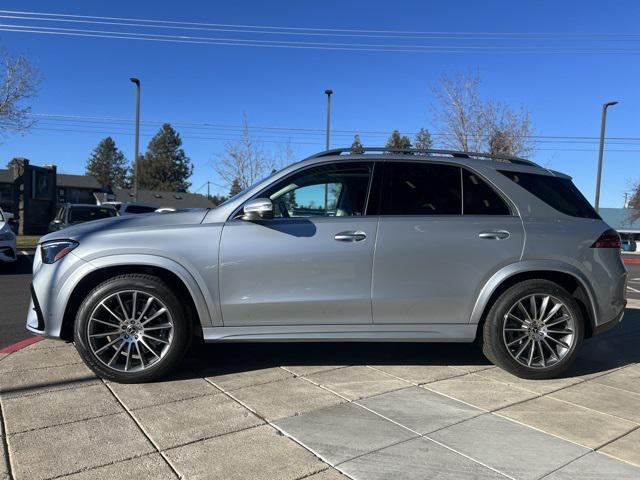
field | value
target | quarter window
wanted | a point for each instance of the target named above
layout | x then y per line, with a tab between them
333	190
421	189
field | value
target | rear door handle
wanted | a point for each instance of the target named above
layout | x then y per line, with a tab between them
494	235
350	236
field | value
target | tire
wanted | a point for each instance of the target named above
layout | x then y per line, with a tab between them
507	328
142	348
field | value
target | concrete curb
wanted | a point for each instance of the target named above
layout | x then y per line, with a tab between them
632	303
21	344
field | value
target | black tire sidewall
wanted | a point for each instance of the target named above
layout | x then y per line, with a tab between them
493	342
182	329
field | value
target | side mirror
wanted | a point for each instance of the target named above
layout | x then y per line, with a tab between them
258	209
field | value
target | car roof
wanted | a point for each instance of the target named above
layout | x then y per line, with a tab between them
87	205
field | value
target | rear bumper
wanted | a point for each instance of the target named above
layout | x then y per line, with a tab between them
603	327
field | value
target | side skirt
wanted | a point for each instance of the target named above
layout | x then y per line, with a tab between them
344	333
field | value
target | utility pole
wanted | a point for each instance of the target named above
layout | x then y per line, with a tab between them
603	125
137	140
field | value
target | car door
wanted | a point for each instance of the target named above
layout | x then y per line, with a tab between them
443	232
310	264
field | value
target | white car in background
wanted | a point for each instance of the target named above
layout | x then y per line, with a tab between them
7	239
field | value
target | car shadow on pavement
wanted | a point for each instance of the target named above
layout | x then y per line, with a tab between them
616	348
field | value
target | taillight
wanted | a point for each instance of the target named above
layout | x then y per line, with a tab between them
609	239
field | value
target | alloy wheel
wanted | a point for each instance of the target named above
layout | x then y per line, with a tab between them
130	331
539	331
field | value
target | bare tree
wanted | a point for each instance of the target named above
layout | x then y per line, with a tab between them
244	160
19	82
470	123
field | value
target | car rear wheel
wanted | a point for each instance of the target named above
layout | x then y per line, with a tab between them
533	330
132	328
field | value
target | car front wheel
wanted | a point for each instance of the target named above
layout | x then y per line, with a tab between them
132	328
533	330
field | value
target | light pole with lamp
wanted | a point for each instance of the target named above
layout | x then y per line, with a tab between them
137	140
601	153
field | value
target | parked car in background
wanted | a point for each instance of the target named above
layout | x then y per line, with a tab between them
410	246
629	245
7	239
74	213
125	208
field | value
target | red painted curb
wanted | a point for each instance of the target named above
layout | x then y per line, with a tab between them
21	344
631	260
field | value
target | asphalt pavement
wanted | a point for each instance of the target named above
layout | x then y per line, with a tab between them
14	300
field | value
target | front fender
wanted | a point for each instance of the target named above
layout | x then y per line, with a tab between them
197	287
529	266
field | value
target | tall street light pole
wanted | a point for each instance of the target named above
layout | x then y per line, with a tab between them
601	153
328	93
137	140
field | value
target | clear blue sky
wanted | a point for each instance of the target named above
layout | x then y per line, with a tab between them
374	91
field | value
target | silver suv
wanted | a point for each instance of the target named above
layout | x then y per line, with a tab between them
403	246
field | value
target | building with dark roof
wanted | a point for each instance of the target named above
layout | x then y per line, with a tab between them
33	194
626	221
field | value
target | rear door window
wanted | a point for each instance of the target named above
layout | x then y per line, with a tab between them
421	189
557	192
480	198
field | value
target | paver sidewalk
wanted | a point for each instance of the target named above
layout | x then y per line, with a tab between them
324	412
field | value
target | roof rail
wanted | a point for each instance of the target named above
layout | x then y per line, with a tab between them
424	151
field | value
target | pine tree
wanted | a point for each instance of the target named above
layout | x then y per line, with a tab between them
107	164
423	139
397	141
165	165
235	187
356	146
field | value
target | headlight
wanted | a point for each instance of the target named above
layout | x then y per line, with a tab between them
54	250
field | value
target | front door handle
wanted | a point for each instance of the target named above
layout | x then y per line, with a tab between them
350	236
494	235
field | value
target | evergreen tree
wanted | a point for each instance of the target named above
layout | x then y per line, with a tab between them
397	141
165	165
356	146
235	187
107	164
423	139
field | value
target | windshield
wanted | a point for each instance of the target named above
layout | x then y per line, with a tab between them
86	214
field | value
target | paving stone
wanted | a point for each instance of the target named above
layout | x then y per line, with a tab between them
595	466
3	355
419	409
4	461
328	474
416	459
58	407
357	382
142	395
285	398
625	379
342	432
421	373
233	381
602	398
50	343
541	387
258	453
471	368
149	467
626	448
304	370
39	358
65	449
45	380
177	423
518	451
577	424
481	392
